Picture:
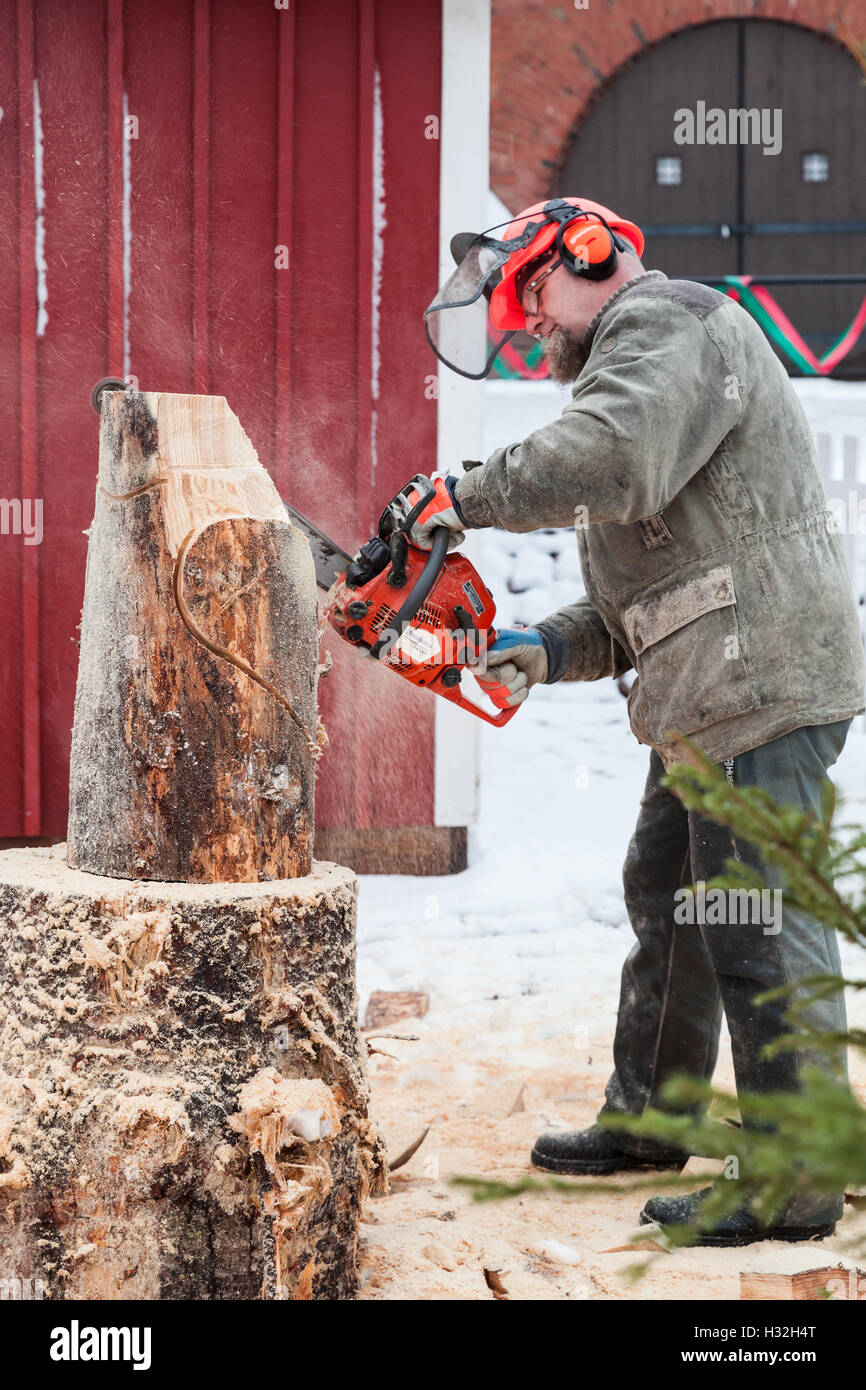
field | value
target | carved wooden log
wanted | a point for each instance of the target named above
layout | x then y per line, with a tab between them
183	1098
195	734
839	1281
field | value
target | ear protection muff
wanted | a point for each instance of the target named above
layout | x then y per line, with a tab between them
588	246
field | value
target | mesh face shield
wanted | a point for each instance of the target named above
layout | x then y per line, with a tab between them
457	320
459	328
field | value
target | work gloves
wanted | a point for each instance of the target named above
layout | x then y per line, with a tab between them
520	657
517	660
443	509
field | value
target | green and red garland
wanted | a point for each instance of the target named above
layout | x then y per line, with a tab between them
757	300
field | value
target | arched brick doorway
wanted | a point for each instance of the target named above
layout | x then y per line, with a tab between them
550	60
712	208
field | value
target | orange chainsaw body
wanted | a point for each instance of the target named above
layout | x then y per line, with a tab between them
453	624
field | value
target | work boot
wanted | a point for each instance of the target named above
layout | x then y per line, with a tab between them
740	1228
595	1151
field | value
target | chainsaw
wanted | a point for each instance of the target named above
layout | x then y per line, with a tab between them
425	614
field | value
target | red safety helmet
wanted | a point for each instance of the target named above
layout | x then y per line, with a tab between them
590	251
494	269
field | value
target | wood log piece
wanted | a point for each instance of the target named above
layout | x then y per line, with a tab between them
839	1282
195	737
387	1006
183	1095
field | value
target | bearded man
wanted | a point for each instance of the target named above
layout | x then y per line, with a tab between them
711	566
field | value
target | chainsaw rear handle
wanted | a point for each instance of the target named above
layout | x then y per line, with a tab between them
418	593
499	694
506	712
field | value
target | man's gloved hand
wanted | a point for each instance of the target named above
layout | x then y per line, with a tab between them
443	509
517	660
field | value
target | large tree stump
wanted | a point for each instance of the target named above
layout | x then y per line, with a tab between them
195	734
183	1103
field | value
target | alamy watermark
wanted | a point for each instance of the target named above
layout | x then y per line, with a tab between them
847	517
22	517
16	1289
720	907
736	126
77	1343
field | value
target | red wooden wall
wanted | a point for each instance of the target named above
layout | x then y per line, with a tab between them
255	128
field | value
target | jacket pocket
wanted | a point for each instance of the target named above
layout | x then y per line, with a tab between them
725	484
691	668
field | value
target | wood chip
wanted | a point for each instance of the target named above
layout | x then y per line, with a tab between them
518	1102
636	1249
387	1007
495	1285
408	1152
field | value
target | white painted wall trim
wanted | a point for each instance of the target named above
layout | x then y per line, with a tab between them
463	182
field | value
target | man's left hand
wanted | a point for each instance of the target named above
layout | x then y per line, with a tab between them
442	509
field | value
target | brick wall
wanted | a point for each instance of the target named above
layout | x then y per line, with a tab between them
550	61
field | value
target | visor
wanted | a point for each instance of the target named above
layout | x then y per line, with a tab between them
482	296
460	338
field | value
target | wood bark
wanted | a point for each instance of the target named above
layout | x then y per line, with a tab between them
386	1007
183	1096
195	736
836	1281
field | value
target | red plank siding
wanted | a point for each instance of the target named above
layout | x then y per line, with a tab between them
254	130
72	68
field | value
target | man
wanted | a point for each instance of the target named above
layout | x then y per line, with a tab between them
711	567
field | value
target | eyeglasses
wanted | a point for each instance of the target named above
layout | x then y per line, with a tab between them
529	298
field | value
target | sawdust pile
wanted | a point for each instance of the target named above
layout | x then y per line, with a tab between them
487	1089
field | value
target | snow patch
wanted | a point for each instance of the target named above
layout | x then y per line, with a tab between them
558	1252
39	190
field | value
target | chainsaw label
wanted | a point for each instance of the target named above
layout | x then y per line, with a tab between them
473	598
418	644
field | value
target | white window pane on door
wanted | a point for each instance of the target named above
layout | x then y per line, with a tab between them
669	170
815	167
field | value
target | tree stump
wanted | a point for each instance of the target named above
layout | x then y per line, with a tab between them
183	1102
183	1097
195	734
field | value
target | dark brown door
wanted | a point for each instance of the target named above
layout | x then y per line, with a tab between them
718	209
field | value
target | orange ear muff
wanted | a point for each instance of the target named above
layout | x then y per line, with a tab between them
588	248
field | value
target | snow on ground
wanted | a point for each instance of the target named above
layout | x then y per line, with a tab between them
521	956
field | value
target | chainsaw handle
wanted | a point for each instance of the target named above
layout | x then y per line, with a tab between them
418	593
506	712
499	694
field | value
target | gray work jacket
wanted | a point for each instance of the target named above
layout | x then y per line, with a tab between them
710	559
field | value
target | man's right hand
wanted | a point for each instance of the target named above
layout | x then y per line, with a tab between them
517	660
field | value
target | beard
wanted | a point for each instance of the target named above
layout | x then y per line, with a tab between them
563	353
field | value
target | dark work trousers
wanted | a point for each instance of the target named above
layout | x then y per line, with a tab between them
679	977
